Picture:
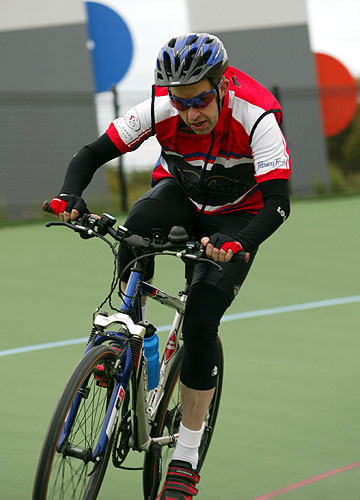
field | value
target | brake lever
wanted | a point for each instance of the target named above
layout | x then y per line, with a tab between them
210	261
197	258
75	227
49	224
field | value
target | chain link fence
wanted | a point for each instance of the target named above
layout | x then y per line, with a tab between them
322	124
41	131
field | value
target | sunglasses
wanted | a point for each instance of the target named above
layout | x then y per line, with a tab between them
199	101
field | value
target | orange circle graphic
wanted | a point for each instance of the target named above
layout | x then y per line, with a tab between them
338	94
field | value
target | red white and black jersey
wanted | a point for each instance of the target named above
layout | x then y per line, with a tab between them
221	171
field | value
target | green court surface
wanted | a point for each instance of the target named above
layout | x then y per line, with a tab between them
289	417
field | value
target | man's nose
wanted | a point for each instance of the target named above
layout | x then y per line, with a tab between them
193	113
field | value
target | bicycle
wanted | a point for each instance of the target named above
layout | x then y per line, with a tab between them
106	407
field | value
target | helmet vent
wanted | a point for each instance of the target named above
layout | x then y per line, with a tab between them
167	63
188	59
177	62
192	52
197	71
206	56
172	43
187	64
192	39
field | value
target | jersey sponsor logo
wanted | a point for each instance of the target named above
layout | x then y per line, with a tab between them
282	213
132	120
273	164
123	130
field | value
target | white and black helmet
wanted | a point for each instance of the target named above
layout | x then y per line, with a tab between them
187	59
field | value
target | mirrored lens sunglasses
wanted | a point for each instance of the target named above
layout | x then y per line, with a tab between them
199	101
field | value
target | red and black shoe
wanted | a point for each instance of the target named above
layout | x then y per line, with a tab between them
180	482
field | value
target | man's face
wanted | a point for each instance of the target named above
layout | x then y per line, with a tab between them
200	120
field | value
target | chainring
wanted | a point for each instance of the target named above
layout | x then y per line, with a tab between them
121	446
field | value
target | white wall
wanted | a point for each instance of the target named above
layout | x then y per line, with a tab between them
229	15
23	14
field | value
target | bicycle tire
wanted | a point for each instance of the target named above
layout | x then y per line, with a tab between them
169	416
55	472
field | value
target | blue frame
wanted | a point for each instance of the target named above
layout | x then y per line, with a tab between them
122	383
135	282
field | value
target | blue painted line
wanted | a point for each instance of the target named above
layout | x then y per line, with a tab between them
228	317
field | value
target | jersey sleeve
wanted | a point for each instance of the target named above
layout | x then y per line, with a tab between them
130	130
270	151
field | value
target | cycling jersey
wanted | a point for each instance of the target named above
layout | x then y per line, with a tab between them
220	172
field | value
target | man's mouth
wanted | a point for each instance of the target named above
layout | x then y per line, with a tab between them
198	125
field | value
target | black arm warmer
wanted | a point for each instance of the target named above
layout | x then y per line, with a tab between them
84	164
275	211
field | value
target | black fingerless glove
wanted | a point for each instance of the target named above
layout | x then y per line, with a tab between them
68	202
225	242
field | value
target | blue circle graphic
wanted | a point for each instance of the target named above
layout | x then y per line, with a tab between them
111	47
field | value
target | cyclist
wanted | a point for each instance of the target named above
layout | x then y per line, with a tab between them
223	175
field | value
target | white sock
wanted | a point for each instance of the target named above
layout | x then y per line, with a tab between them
187	446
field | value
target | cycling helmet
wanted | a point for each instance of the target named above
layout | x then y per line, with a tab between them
189	58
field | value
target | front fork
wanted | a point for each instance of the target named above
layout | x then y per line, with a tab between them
116	400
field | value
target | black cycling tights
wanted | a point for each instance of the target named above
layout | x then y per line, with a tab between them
205	306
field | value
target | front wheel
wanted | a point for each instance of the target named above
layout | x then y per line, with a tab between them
65	468
167	421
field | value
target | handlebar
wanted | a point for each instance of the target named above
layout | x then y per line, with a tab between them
90	225
46	207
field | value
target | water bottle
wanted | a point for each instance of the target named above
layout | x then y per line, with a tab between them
151	348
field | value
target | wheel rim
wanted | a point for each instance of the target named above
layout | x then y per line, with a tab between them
70	476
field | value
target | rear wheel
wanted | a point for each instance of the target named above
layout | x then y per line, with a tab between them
69	472
167	421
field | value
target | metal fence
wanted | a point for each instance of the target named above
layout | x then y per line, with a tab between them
319	125
40	131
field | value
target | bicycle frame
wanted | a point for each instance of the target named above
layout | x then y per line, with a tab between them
143	404
108	389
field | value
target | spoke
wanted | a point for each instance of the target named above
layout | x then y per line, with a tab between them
69	475
95	412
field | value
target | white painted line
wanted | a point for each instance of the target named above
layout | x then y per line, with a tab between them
228	317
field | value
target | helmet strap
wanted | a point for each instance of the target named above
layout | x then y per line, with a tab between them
219	104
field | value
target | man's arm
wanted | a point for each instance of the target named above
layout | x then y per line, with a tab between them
84	164
272	170
124	134
275	211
